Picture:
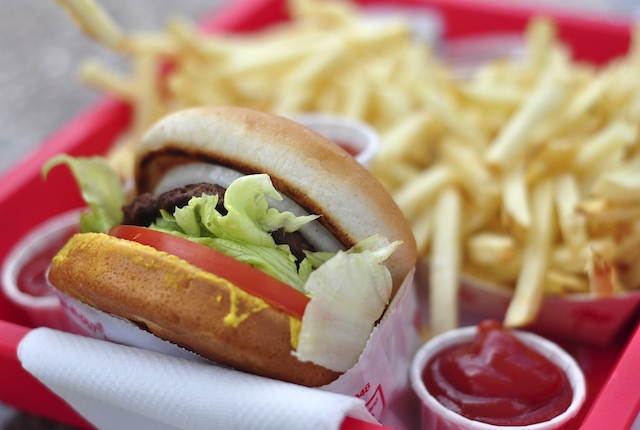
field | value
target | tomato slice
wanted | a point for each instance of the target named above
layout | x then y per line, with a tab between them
255	282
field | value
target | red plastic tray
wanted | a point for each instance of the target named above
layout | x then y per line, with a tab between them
613	379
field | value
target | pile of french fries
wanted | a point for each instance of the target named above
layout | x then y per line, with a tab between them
540	176
525	174
325	59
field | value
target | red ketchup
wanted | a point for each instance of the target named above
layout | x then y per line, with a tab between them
348	147
498	380
32	277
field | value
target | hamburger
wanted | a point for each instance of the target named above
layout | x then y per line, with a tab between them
249	239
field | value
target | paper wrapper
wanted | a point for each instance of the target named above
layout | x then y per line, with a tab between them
44	308
380	378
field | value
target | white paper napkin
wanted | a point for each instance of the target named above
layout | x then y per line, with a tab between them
120	387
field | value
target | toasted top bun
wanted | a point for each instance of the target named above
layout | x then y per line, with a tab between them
311	170
183	304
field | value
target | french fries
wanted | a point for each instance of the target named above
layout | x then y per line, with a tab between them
567	167
525	174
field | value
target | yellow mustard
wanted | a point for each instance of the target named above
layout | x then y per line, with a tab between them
239	297
294	328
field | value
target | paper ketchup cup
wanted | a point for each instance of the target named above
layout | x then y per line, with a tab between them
356	137
436	416
24	282
24	271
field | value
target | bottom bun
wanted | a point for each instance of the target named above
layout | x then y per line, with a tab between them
183	304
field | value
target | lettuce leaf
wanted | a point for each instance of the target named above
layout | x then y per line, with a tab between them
349	293
100	187
245	231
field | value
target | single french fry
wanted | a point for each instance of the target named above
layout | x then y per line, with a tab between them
480	183
148	103
410	139
327	100
605	148
445	261
562	283
265	60
446	114
600	212
492	249
298	85
551	158
516	213
572	224
569	259
494	93
164	45
529	290
618	185
510	144
395	175
418	194
98	76
482	215
582	102
389	104
540	39
358	92
95	22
